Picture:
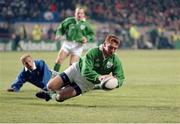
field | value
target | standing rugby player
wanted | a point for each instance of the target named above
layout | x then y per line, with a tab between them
77	31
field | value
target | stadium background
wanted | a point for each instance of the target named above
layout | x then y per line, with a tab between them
152	24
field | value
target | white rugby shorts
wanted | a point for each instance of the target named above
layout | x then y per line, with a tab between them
72	48
73	73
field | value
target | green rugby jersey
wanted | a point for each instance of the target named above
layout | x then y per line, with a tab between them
74	30
93	64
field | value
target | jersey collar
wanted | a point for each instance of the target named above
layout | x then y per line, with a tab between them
83	20
101	49
34	67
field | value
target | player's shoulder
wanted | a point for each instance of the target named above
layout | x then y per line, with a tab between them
94	49
39	61
88	21
116	57
70	18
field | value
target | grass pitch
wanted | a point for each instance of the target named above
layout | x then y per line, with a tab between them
150	94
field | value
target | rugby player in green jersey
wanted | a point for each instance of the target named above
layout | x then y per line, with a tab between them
89	71
76	32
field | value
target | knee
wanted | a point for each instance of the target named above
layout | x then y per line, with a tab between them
55	83
51	86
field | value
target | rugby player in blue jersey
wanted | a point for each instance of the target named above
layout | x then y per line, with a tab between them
35	72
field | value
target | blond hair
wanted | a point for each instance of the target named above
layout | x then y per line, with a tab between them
80	7
23	57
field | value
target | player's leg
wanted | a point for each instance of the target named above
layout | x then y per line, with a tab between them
53	85
61	56
75	54
73	59
60	88
68	92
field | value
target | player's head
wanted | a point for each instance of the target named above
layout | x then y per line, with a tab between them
111	44
80	13
27	61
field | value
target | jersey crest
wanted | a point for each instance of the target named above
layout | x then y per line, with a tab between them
109	64
82	27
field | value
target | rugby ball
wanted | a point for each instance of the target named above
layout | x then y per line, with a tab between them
109	83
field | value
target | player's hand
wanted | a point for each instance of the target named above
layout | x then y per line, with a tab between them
10	90
102	77
84	40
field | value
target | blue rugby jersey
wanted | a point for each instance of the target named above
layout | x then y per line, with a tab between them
38	77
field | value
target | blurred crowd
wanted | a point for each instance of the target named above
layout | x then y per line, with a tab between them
120	11
141	24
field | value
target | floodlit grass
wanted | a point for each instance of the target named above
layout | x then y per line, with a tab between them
150	94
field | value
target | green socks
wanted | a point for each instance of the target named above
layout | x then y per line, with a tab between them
57	67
